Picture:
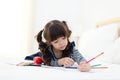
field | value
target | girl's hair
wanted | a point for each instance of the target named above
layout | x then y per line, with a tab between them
53	30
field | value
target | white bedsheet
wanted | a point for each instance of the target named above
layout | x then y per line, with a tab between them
13	72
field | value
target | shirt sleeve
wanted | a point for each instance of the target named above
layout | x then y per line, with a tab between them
55	63
77	56
30	57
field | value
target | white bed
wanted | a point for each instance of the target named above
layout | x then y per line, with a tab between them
13	72
9	71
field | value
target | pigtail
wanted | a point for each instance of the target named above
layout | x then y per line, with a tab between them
43	48
69	48
64	22
68	30
42	45
39	36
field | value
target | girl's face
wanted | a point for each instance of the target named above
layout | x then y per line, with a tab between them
60	43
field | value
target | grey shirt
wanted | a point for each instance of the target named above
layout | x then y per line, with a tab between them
76	56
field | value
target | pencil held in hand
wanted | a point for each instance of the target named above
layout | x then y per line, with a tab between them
94	57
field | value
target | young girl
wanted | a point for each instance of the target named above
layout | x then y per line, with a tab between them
57	50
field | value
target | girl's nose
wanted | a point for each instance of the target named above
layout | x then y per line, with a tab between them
61	42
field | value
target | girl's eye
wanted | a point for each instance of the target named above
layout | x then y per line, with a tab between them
55	41
64	38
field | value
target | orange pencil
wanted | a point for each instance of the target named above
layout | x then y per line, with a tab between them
99	67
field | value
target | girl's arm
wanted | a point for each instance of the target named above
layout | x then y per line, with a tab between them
77	56
82	65
55	63
65	62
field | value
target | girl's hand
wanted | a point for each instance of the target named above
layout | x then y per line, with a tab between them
84	67
66	62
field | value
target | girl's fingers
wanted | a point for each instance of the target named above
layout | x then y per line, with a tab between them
83	66
71	61
83	63
68	62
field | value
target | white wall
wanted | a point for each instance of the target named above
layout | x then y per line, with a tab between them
97	10
15	27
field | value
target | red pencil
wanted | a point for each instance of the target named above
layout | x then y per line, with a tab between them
94	57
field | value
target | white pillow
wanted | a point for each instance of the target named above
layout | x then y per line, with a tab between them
97	40
112	53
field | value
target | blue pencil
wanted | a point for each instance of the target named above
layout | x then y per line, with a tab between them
76	67
71	67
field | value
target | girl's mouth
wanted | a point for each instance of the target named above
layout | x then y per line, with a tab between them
62	47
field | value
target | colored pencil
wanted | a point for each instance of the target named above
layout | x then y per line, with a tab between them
94	57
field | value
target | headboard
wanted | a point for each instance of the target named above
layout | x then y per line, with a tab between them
115	20
104	38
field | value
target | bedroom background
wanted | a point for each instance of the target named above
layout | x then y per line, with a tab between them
21	20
